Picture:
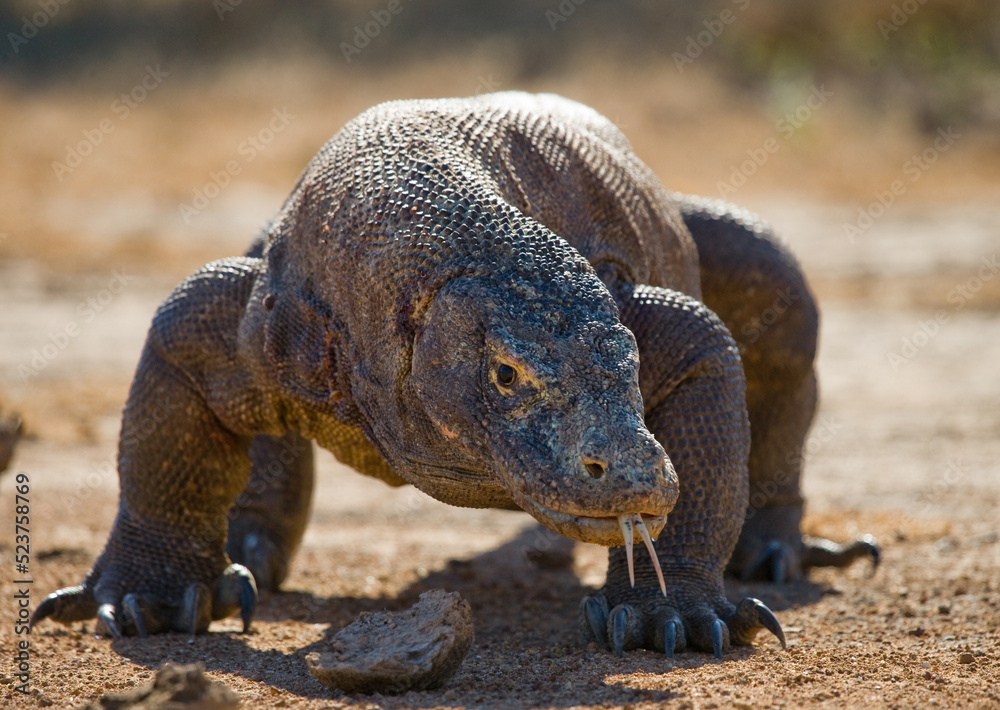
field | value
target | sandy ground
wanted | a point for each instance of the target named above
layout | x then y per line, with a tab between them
905	447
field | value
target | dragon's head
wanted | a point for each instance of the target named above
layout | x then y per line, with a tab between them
542	390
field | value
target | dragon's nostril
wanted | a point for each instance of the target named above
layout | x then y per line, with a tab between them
595	469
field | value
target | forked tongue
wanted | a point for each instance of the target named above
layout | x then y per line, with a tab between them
631	521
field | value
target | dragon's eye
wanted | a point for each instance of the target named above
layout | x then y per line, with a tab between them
506	375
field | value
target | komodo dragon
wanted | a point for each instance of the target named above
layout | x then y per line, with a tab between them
494	300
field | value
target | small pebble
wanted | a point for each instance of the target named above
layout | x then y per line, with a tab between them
966	658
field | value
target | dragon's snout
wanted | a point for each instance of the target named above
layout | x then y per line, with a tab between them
620	495
609	477
618	472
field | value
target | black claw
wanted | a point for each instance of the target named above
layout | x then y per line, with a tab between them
825	553
619	622
717	638
870	545
595	609
132	607
235	590
748	618
106	615
65	605
769	621
248	600
195	598
670	638
46	609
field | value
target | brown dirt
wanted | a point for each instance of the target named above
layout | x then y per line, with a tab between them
905	450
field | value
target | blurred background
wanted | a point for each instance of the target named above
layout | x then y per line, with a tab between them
141	139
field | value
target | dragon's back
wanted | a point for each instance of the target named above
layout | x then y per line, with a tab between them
450	172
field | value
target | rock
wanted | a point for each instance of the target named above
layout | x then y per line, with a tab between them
966	658
393	652
173	688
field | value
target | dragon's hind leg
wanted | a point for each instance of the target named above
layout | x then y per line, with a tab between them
755	285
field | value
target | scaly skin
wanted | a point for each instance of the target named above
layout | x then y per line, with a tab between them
759	291
458	295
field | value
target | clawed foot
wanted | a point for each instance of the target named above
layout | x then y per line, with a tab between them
772	549
141	615
781	561
148	582
678	623
826	553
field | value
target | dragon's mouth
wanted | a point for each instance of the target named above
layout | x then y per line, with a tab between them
600	530
610	530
